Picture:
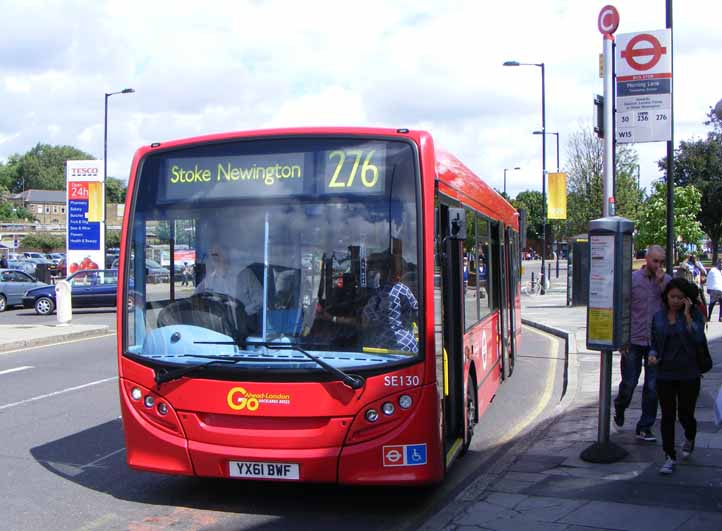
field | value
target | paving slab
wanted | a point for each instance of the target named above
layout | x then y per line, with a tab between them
703	522
14	337
628	517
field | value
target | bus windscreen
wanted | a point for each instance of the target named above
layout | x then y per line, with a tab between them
309	242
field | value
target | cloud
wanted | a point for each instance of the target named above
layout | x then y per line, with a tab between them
234	65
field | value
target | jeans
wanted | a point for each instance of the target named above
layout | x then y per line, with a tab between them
631	365
677	395
714	298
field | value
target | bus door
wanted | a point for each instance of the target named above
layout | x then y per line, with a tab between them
501	291
512	261
450	351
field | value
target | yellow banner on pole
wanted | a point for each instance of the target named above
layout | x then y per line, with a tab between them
557	196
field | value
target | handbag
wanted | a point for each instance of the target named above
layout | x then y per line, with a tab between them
704	359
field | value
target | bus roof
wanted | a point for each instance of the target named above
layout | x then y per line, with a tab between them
459	182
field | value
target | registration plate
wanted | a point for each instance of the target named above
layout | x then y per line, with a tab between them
257	470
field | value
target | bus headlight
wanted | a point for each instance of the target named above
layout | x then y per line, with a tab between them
372	415
388	408
162	408
149	401
136	393
405	401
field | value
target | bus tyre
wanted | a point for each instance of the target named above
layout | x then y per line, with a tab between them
3	303
44	306
470	414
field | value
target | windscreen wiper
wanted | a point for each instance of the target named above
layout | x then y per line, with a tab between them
164	375
354	381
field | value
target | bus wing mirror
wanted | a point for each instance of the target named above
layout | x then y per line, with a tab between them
457	224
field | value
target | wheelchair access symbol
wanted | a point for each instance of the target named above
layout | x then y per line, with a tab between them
404	455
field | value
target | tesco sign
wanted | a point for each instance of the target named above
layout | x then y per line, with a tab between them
83	172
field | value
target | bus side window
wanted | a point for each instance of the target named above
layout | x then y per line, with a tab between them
471	291
484	267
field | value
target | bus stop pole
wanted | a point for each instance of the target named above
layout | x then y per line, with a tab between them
605	451
605	396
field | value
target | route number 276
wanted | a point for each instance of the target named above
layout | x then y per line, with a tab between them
369	174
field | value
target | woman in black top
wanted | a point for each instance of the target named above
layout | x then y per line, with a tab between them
677	331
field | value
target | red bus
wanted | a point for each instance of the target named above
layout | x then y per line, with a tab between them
351	308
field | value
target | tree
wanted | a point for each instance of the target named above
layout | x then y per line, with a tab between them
585	200
652	224
531	201
115	190
112	239
43	241
43	168
10	212
698	163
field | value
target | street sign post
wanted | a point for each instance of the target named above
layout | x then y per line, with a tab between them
644	86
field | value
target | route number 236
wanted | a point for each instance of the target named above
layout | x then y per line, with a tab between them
369	174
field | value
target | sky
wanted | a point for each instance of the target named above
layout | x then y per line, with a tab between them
208	67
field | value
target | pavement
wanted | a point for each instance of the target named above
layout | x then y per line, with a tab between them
19	336
542	484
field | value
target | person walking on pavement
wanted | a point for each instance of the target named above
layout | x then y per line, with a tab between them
698	271
714	288
3	262
677	332
647	286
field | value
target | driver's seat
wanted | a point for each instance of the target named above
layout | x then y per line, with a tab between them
207	310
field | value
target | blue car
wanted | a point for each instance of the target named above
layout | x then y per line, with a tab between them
13	284
94	287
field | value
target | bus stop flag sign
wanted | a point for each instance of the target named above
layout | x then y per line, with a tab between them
644	86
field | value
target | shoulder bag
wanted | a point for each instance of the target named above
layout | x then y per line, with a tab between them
704	359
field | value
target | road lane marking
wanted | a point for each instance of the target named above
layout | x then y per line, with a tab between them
56	393
546	394
17	369
38	347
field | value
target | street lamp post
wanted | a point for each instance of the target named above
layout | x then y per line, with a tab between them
544	169
505	170
105	161
557	243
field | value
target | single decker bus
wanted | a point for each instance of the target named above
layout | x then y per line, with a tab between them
340	305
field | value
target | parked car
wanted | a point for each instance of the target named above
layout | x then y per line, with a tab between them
22	265
156	272
62	268
97	287
13	284
31	254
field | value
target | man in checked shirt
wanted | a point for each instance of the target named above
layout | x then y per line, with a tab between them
647	286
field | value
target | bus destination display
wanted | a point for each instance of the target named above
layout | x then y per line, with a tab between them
360	169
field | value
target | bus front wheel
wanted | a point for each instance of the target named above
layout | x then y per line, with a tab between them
470	413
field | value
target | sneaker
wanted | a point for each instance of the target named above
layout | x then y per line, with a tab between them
668	466
646	435
687	448
619	417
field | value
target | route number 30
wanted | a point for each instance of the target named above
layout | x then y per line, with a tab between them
369	174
